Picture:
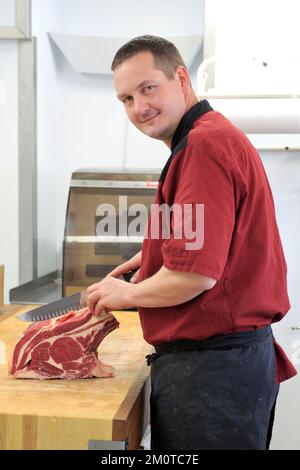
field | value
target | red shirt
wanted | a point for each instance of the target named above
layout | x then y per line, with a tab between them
214	164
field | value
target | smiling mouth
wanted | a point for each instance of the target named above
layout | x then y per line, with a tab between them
150	118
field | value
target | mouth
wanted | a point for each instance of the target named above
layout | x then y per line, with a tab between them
150	118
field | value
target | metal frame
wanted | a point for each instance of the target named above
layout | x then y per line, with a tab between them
27	162
104	239
249	96
107	445
278	149
113	184
22	28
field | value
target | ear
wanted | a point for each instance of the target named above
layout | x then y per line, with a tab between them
183	77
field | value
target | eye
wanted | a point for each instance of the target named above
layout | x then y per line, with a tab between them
127	100
149	88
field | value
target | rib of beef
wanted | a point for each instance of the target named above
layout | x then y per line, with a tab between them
63	347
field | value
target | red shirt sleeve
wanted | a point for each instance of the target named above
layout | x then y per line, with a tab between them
205	191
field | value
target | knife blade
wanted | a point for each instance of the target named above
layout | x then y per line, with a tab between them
63	306
55	309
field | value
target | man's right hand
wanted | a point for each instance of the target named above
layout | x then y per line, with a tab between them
130	265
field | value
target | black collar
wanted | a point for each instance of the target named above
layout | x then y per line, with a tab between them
187	122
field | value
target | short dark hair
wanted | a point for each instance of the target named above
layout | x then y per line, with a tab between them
166	56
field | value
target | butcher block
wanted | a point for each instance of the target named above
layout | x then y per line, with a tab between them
102	413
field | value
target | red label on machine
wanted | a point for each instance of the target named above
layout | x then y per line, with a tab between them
152	184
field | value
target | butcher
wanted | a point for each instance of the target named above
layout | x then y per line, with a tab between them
207	296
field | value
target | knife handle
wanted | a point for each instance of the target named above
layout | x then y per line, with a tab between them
127	276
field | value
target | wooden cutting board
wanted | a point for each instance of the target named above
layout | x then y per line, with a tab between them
62	414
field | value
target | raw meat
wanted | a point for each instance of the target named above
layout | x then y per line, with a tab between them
63	347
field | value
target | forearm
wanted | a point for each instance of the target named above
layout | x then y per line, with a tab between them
167	288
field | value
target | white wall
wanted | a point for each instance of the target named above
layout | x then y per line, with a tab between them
9	166
45	17
283	170
7	13
94	128
261	30
284	175
130	18
80	122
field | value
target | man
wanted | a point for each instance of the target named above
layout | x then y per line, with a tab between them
205	305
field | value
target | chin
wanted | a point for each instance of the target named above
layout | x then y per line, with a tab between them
156	134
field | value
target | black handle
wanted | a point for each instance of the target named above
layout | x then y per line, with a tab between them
127	276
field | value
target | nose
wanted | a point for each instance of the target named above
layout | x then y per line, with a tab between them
141	107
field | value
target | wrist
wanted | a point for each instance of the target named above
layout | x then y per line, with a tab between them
130	297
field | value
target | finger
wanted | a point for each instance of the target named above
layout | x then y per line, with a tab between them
116	277
99	308
119	270
92	288
92	299
91	306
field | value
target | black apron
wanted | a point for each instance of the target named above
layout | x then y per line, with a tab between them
215	394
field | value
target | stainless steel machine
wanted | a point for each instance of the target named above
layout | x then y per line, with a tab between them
105	222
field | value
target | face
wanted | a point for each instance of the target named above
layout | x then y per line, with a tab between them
154	104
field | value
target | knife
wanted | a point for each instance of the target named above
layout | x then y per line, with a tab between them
63	306
56	309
